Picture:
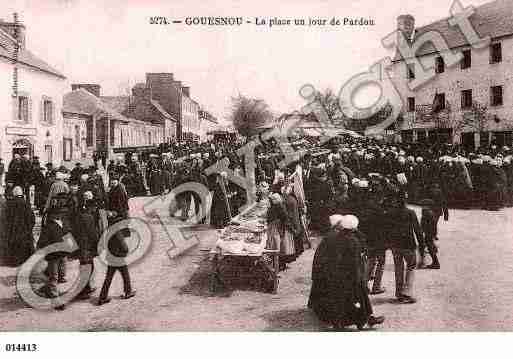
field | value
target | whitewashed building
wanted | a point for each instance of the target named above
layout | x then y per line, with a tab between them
191	124
482	79
31	93
94	123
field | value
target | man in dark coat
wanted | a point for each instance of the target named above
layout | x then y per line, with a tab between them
53	232
321	193
87	235
371	225
404	234
76	172
295	224
440	206
117	206
429	227
221	213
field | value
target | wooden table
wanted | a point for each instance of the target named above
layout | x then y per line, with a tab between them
272	269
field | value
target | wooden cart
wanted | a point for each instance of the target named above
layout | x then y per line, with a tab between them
265	258
268	255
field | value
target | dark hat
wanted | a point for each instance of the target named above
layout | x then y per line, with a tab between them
63	169
427	202
114	176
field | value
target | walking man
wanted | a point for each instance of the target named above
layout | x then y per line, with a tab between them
117	206
404	235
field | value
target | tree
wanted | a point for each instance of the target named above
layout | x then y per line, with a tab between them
476	117
248	115
331	105
365	118
440	116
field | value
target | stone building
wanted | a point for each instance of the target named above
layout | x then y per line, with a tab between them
469	102
191	124
208	124
102	126
31	94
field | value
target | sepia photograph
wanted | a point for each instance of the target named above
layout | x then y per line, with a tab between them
236	166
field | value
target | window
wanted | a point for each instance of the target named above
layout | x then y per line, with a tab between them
496	95
48	153
89	132
23	109
466	98
410	71
77	136
67	150
421	136
495	53
407	136
47	111
439	65
411	104
439	103
466	62
484	139
112	134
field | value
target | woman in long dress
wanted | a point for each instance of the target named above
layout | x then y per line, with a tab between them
279	231
20	222
339	294
221	213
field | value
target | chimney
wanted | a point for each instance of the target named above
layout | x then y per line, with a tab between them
406	27
158	78
95	89
140	91
187	91
16	29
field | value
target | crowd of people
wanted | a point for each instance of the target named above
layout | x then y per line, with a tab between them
355	196
74	202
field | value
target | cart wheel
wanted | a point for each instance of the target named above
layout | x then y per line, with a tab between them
268	286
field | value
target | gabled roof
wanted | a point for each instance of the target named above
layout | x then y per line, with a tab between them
161	109
27	58
494	19
117	103
7	41
83	102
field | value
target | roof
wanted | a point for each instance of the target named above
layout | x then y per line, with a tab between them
117	103
83	102
491	19
159	108
27	58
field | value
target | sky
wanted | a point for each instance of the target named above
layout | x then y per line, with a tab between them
113	44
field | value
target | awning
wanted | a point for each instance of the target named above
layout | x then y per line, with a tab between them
330	132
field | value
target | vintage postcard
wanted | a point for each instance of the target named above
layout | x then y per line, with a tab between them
240	166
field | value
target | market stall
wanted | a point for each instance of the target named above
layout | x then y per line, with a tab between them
245	241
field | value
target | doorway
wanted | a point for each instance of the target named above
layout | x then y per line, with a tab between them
22	147
468	142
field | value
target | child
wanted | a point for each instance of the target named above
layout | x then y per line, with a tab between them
428	223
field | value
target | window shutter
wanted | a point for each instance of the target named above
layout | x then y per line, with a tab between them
15	102
29	112
42	110
53	116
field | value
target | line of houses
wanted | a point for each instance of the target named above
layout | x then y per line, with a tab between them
43	115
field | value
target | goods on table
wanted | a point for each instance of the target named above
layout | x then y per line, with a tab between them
246	233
